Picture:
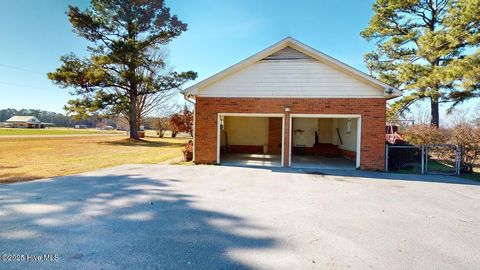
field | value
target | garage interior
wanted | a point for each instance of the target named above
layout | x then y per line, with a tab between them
250	141
327	143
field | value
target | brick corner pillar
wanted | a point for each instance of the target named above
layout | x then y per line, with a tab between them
286	136
372	154
275	135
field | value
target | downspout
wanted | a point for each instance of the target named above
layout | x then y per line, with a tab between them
194	126
186	98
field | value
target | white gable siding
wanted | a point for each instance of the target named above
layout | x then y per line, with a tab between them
288	53
304	77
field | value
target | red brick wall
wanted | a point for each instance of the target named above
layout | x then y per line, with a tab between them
274	135
323	149
372	154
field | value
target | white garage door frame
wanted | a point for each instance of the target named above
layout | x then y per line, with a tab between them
353	116
277	115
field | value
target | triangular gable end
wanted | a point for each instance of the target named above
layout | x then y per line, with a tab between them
287	54
291	69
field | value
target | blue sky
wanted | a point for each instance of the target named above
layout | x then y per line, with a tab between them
36	33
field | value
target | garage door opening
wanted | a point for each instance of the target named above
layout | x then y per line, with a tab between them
247	140
325	142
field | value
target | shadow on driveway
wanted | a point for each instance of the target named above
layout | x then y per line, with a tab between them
432	178
118	221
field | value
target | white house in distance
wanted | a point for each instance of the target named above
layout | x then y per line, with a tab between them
26	122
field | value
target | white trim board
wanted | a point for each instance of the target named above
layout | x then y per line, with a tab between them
278	115
359	131
299	97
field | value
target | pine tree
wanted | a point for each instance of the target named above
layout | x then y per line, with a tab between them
122	66
427	48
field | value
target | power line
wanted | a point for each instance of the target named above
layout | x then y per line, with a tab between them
24	85
27	86
22	69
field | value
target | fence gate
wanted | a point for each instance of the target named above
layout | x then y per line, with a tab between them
432	159
442	159
403	159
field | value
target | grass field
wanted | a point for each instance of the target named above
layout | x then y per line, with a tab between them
438	167
434	166
54	131
24	159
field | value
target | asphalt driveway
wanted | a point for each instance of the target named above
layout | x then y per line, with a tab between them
213	217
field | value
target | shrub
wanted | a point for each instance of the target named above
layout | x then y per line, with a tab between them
468	138
424	134
188	151
182	122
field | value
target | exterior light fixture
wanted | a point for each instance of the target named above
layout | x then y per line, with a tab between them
349	125
222	122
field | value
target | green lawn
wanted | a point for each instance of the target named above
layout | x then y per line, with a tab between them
438	166
54	131
473	176
441	166
434	166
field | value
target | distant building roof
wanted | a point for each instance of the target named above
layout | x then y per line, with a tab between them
26	119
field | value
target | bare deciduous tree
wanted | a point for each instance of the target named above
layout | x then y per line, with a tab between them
161	121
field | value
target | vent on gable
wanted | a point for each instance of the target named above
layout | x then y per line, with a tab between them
288	53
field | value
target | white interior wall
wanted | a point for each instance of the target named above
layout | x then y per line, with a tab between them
333	132
327	132
308	126
222	138
349	139
245	130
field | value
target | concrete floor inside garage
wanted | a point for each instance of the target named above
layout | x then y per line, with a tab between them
263	160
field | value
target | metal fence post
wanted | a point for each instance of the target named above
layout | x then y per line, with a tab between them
458	160
426	159
423	159
386	157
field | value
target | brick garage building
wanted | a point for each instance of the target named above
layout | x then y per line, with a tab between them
290	105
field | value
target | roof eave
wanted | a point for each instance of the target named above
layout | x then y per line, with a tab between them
194	89
190	91
312	52
392	96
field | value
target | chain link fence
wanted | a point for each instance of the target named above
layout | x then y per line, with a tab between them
403	159
442	159
432	159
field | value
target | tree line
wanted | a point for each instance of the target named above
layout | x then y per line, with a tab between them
175	121
60	120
